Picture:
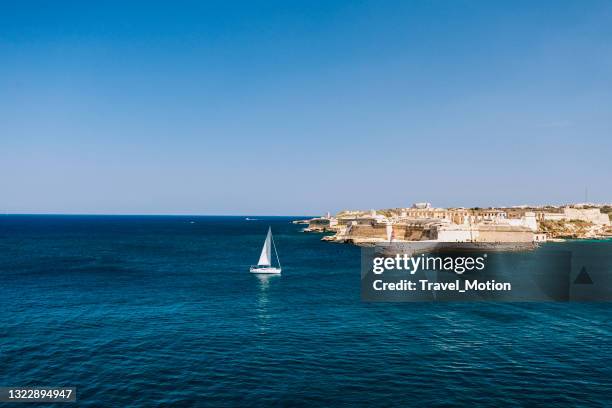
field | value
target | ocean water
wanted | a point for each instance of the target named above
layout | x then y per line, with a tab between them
158	311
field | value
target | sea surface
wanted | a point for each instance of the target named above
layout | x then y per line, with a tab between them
161	310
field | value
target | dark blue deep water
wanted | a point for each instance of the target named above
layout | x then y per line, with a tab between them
152	311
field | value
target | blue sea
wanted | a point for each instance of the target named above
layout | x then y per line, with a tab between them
161	310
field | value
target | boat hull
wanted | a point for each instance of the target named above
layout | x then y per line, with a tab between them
265	269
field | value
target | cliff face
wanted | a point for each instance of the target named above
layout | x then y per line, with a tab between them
411	233
379	232
319	225
367	231
575	229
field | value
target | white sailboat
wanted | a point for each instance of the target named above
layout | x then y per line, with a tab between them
265	259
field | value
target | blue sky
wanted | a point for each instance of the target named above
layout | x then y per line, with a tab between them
289	107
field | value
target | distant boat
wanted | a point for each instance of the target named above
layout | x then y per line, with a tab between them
251	219
265	259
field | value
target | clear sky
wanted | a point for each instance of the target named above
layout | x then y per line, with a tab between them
290	107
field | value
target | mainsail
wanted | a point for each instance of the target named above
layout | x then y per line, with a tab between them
266	251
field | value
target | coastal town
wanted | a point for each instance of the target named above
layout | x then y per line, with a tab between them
423	222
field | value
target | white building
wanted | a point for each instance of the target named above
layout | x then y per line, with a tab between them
421	206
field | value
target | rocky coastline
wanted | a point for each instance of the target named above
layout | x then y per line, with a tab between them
496	228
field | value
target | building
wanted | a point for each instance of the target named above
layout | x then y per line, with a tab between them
421	206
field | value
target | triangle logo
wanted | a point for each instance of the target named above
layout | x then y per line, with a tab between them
583	278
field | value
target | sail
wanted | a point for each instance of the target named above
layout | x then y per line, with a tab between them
266	251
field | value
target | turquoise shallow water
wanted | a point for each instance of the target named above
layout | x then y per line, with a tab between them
151	311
